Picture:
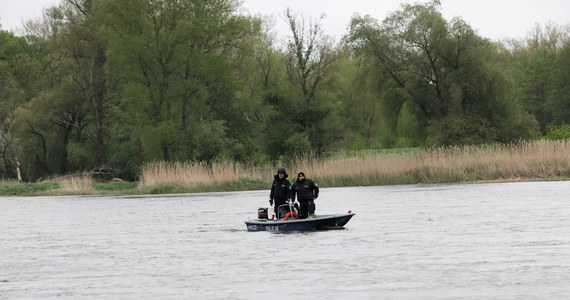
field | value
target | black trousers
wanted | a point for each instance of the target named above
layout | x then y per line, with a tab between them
277	203
307	207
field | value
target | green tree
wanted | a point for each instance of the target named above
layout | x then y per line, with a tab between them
450	79
52	124
21	79
85	48
310	59
45	137
561	92
539	67
9	95
259	71
171	65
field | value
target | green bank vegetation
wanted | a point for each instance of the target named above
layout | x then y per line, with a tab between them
524	161
72	185
177	95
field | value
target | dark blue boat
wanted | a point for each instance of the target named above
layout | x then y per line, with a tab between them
322	222
289	222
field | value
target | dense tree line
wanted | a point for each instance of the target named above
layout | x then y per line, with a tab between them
109	85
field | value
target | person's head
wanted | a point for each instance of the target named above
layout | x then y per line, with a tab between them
301	176
281	173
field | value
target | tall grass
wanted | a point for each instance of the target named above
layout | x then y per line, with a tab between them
522	161
526	160
189	174
74	185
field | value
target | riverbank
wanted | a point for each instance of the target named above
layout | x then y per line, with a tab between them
121	188
525	161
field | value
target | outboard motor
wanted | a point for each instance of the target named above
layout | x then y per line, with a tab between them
262	213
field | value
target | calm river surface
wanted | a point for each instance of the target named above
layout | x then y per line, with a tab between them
476	241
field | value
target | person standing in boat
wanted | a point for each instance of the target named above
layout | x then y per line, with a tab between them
280	190
306	192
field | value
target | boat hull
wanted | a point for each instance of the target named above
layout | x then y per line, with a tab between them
323	222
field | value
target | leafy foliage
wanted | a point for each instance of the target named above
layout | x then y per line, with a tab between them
558	132
451	79
103	84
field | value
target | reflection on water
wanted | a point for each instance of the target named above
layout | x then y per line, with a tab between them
406	242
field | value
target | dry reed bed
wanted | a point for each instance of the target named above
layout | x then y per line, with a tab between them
74	185
189	174
526	160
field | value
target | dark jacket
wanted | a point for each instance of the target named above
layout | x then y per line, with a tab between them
305	190
281	189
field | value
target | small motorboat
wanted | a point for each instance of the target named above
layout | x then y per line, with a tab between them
288	220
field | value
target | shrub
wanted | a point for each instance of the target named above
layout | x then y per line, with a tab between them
561	132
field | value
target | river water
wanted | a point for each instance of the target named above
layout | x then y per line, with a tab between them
474	241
